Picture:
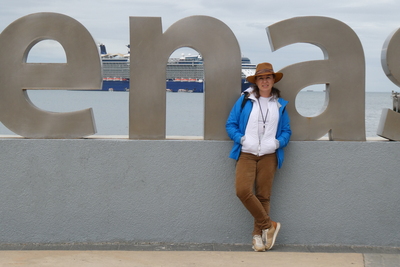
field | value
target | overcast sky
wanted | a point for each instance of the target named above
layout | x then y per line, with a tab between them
108	22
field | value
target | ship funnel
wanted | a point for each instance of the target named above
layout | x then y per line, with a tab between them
103	50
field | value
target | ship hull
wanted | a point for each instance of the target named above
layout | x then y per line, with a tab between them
171	86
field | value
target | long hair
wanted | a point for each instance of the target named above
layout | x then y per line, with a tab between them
274	91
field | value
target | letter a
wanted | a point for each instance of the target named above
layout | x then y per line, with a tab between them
343	71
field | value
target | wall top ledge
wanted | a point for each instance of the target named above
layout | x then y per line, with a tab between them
175	137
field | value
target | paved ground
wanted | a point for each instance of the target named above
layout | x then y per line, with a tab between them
182	255
60	258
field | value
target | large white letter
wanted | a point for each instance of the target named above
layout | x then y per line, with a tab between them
389	124
343	71
82	71
150	50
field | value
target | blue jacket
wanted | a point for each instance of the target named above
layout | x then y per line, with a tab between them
237	122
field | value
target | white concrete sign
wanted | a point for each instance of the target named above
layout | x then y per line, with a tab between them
342	70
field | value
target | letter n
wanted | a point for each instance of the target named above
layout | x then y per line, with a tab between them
150	50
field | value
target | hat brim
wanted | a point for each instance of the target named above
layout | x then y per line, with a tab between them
252	78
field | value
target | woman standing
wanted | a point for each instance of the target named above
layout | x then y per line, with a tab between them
259	125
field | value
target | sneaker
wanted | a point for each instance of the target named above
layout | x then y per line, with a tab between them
258	244
269	235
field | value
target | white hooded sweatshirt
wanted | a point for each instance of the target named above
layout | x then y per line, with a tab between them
259	138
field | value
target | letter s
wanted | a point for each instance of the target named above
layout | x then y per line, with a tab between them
389	124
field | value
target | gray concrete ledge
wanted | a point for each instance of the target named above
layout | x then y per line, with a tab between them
91	191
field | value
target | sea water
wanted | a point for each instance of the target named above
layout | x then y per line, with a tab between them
310	104
184	113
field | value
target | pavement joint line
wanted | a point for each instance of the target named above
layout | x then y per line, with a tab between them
161	246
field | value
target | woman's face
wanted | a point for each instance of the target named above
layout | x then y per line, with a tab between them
265	83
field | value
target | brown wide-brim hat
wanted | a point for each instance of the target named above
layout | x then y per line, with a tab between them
264	69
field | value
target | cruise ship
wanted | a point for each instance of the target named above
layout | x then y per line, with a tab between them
184	74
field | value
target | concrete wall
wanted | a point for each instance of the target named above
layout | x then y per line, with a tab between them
104	190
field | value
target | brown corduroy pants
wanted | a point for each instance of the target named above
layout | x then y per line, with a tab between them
254	178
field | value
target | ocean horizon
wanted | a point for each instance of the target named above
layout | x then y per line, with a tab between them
185	111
